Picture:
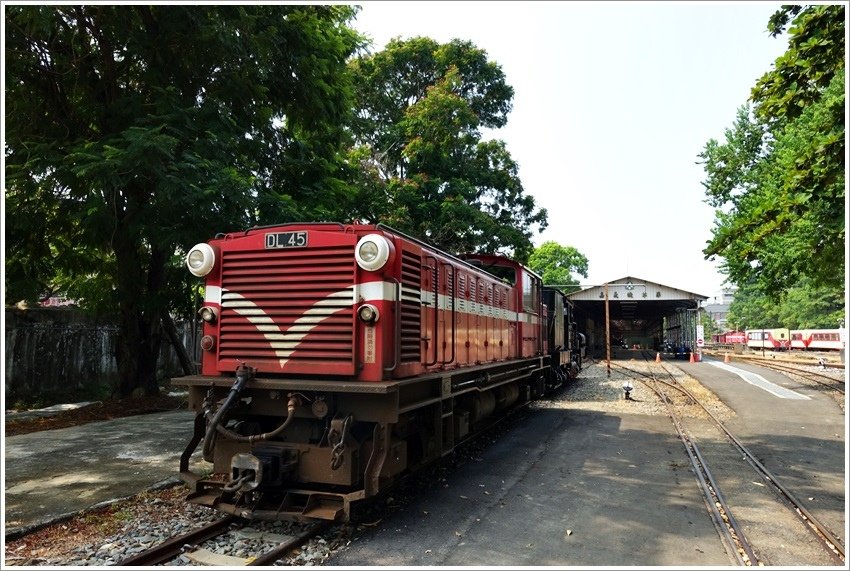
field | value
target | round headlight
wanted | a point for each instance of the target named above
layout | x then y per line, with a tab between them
368	251
372	252
208	314
200	260
368	313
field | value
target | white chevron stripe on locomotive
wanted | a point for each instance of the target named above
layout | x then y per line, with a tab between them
284	343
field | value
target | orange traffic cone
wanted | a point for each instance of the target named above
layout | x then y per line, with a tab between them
658	357
692	358
726	359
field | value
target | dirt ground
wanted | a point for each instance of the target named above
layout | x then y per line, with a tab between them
104	410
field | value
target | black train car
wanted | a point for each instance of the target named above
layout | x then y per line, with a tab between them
565	343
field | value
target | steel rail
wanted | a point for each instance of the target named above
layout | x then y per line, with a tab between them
758	358
809	375
730	532
796	506
810	521
269	557
175	546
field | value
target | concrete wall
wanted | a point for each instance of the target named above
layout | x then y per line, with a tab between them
59	354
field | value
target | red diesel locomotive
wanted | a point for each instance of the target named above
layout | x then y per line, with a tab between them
337	357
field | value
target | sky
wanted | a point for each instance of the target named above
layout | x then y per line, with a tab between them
613	103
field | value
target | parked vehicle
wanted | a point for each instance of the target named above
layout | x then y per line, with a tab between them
774	339
817	339
730	337
336	358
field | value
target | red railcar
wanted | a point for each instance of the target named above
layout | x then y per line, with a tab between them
817	339
337	357
730	337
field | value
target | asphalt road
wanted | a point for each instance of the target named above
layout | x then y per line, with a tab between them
565	488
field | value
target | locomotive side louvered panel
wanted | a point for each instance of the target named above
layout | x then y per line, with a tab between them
288	311
409	338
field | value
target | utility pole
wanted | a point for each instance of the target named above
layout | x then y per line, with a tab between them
762	341
607	333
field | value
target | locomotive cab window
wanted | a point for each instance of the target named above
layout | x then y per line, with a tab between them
507	274
530	293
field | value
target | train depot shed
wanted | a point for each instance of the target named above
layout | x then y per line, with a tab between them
641	315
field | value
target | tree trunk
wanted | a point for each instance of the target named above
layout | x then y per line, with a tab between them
140	338
183	355
139	343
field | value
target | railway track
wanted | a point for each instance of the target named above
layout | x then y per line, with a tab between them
773	497
824	380
191	545
786	358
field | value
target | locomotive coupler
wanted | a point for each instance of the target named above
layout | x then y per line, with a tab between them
336	438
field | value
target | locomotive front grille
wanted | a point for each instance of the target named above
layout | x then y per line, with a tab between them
288	310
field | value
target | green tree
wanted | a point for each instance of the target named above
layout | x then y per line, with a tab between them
777	181
134	132
556	264
419	148
710	327
815	53
803	307
751	309
807	307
